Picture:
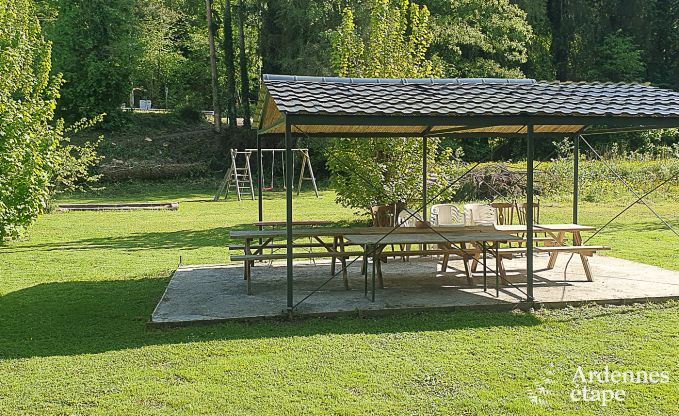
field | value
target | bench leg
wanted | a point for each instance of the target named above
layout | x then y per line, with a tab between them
345	275
364	268
553	255
585	265
577	239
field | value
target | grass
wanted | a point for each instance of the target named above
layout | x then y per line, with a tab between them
75	297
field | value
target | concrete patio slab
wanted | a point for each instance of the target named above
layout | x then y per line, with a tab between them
207	293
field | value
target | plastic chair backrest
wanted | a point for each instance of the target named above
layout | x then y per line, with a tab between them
479	214
408	218
446	214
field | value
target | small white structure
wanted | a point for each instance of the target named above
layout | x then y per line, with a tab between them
144	104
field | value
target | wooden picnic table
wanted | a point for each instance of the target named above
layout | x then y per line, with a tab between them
558	233
374	244
335	250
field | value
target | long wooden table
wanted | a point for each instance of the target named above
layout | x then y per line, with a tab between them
374	244
380	237
558	233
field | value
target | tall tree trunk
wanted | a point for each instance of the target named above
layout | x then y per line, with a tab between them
271	38
556	11
213	66
244	81
230	66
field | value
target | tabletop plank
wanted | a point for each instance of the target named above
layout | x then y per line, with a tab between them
429	238
341	231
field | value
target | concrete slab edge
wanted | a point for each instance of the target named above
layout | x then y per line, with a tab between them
498	307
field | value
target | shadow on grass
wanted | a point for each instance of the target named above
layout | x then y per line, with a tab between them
182	239
72	318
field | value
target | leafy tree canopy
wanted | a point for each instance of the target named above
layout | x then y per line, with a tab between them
480	38
27	101
382	171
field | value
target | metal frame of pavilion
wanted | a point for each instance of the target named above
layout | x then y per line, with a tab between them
305	121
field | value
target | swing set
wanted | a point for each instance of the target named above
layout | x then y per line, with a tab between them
240	177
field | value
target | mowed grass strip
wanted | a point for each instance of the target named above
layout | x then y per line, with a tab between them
75	297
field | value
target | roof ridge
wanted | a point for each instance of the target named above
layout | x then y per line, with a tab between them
402	81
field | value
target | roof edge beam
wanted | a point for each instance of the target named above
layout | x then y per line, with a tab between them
480	121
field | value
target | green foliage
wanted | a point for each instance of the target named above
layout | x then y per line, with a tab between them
28	142
619	60
36	160
479	38
73	172
381	171
96	47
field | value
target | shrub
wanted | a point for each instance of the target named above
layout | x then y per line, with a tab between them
28	141
36	160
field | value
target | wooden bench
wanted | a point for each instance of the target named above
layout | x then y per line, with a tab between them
582	250
248	259
585	250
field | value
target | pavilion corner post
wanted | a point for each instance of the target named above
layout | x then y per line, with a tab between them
260	181
530	150
576	179
288	210
424	179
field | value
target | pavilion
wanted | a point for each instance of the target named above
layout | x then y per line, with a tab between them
302	106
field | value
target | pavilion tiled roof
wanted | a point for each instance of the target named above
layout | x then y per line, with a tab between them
467	98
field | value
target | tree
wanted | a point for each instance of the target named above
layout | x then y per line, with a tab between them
230	65
96	46
479	38
244	76
35	158
619	60
381	171
213	65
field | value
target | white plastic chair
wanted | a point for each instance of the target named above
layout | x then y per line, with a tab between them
407	218
446	214
479	214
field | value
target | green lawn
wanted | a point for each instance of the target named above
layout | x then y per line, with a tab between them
75	297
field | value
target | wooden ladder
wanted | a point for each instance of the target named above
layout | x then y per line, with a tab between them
239	178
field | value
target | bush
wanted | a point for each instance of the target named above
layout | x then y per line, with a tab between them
188	113
36	160
492	182
27	101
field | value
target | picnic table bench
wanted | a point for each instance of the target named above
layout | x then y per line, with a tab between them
557	234
466	242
